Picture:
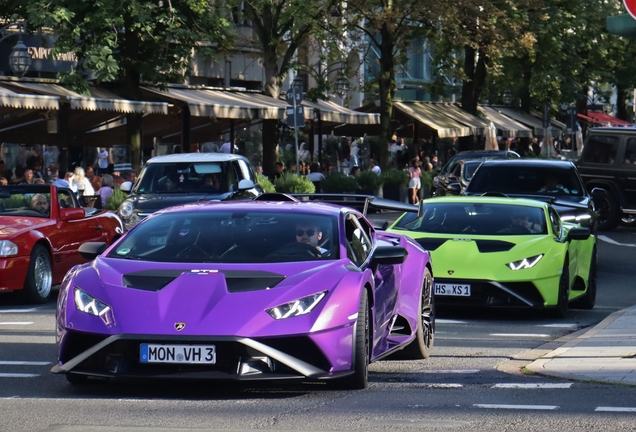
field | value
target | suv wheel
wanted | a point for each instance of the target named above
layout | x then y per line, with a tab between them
609	213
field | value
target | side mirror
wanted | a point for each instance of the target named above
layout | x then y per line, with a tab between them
454	188
91	250
388	255
246	184
578	234
598	192
126	187
71	214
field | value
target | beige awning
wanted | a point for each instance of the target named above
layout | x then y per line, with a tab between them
504	124
527	119
224	104
428	115
478	126
333	113
92	103
12	99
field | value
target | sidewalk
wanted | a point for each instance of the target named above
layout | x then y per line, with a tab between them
604	353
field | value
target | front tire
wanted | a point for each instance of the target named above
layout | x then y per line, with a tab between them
589	298
39	281
564	292
421	347
360	378
609	213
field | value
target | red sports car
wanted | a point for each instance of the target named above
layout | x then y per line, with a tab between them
41	228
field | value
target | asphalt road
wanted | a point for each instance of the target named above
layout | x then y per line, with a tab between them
458	388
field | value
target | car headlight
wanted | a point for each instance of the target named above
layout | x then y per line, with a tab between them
8	248
296	308
126	210
89	304
576	218
525	263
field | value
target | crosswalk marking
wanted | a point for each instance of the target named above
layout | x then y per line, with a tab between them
534	385
560	325
450	385
450	371
17	323
520	335
519	407
448	321
615	409
23	363
18	375
17	310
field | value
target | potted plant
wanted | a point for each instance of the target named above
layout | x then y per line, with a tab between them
369	182
394	180
115	199
337	182
293	183
265	183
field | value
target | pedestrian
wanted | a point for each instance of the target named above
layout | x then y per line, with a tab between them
96	181
106	188
415	183
304	156
102	161
373	166
314	173
82	184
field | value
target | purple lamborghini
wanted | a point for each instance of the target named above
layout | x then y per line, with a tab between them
262	290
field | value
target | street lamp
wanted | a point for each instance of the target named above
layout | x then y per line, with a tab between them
341	86
298	84
20	59
507	97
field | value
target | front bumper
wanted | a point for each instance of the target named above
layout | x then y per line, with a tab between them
13	272
238	358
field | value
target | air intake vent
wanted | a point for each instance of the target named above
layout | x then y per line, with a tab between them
486	246
150	280
431	243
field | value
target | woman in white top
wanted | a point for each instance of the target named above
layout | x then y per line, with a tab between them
80	181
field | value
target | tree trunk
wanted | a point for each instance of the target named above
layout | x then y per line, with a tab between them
386	82
621	103
270	127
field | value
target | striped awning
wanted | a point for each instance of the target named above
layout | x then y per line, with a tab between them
529	120
434	118
506	126
478	126
13	99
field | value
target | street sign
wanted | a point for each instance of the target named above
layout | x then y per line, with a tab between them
295	118
289	97
630	5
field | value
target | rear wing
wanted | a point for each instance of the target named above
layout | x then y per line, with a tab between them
361	203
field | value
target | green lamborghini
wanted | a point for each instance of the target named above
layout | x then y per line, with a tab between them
504	252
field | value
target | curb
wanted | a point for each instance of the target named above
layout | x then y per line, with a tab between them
544	353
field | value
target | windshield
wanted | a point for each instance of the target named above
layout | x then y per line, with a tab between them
184	177
469	169
478	219
528	180
18	202
231	237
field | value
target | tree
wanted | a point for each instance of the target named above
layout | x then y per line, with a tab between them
129	42
389	26
282	27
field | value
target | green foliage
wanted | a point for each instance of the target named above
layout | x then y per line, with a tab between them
395	177
426	178
369	181
265	183
16	201
115	199
339	182
292	183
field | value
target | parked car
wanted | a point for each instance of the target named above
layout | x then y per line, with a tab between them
457	178
608	161
42	228
504	252
554	181
270	289
185	178
472	154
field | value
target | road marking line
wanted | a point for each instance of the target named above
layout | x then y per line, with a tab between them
615	409
564	325
520	407
614	242
17	310
444	385
17	323
451	371
23	363
18	375
519	335
448	321
534	385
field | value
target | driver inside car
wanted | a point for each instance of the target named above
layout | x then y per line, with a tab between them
521	218
40	204
310	234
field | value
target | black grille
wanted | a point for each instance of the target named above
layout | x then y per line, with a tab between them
431	243
486	246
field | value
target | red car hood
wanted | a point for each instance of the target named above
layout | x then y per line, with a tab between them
13	225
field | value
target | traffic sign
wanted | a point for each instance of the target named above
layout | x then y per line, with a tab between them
630	5
291	95
295	118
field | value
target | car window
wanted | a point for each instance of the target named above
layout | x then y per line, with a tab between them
601	149
358	243
477	219
185	177
25	202
231	237
528	180
555	220
469	170
630	152
231	177
246	171
66	199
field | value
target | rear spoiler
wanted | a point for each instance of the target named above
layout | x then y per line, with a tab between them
359	202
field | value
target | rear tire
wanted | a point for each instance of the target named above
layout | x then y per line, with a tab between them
360	378
609	213
588	300
421	347
39	281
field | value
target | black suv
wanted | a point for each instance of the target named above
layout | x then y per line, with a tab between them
609	162
554	181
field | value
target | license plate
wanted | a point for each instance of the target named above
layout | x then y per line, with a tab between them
187	354
452	290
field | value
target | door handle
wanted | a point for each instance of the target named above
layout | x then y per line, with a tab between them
98	228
